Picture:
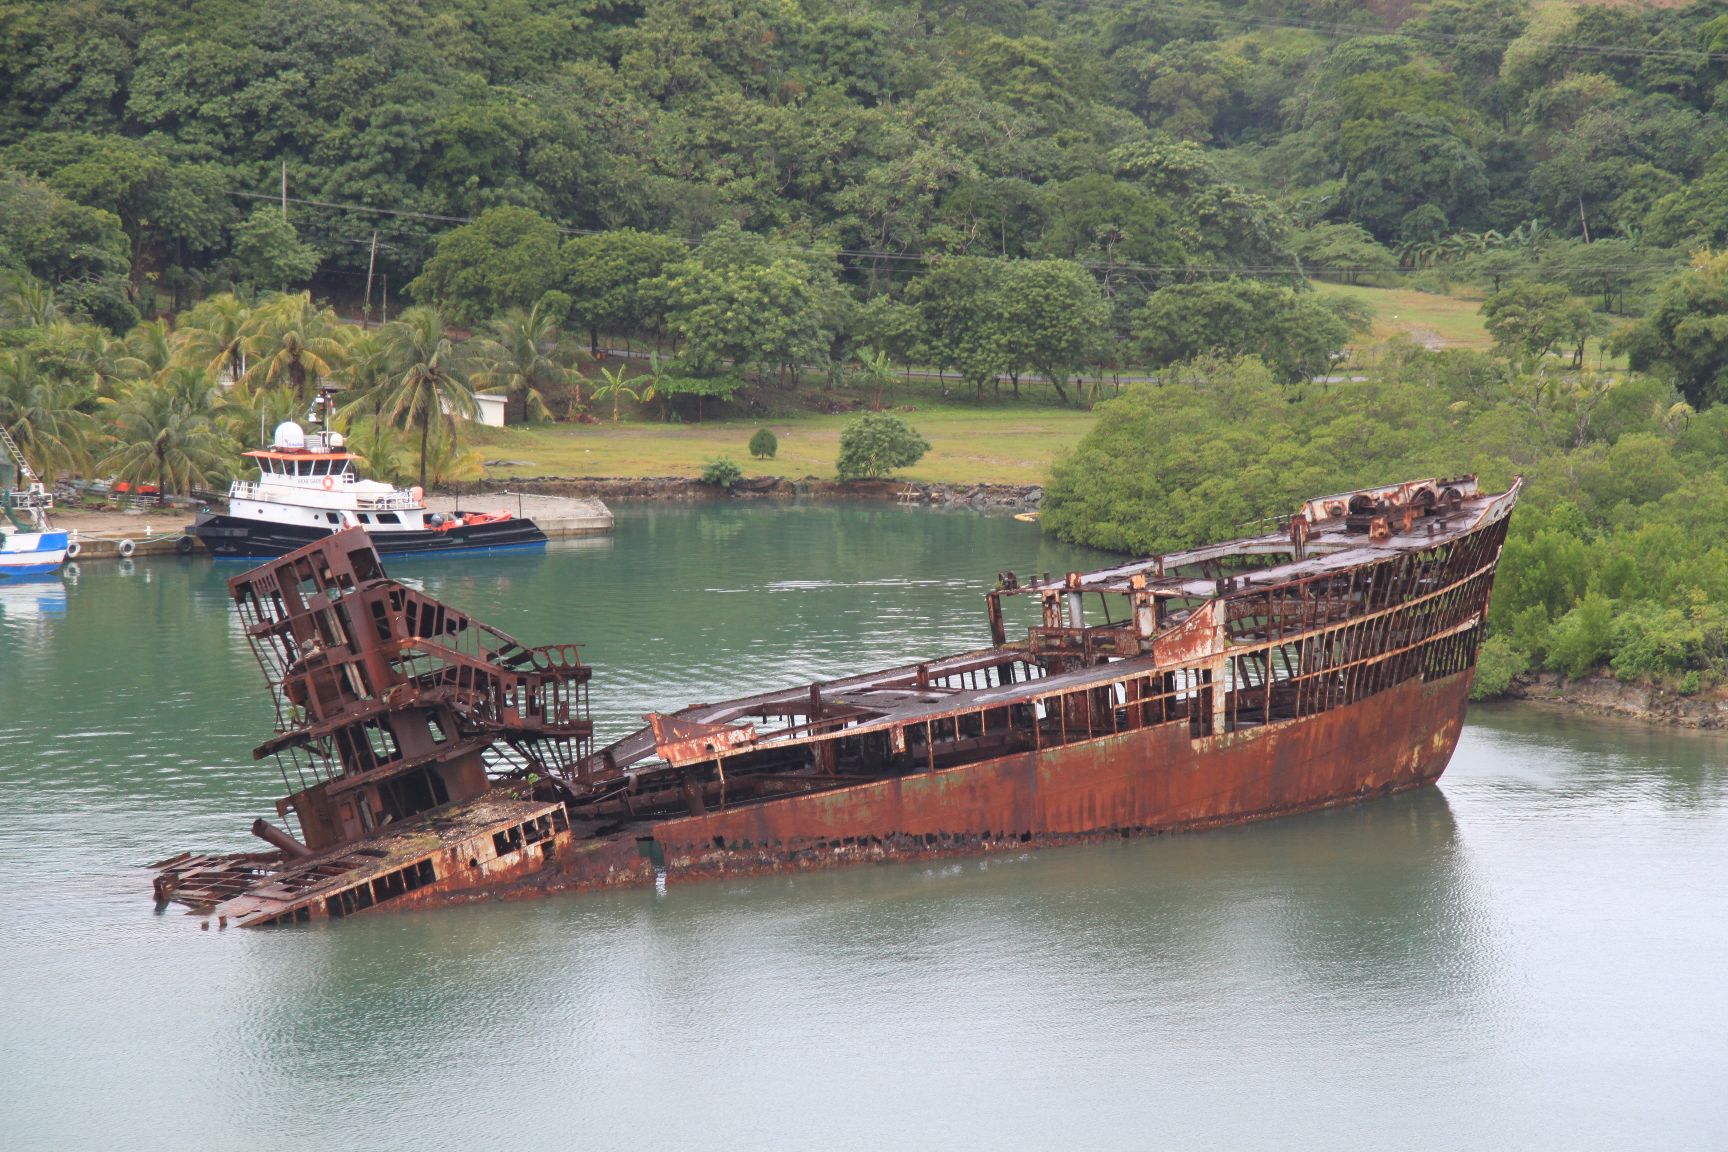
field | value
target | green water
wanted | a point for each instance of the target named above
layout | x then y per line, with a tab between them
1529	956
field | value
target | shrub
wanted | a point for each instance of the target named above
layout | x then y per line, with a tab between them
876	444
721	472
1652	643
764	444
1583	638
1497	665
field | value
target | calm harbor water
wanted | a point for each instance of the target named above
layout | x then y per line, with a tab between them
1529	956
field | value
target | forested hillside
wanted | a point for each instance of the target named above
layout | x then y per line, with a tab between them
1154	142
199	197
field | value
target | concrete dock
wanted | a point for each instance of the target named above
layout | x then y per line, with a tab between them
557	516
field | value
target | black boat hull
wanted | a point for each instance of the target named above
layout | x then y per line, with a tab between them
230	537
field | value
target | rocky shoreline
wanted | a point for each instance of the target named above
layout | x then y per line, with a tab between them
1606	696
1016	497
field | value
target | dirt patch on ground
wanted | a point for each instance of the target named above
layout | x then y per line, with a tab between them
133	524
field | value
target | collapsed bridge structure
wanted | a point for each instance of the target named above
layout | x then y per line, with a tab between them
1323	662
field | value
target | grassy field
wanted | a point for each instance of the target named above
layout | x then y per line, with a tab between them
1429	319
995	443
1437	322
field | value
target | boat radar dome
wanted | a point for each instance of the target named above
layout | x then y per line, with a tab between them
289	435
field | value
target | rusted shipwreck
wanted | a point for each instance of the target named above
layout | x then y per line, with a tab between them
430	758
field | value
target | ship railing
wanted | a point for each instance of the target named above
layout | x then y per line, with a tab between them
395	502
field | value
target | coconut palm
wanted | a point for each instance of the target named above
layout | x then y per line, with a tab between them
247	417
366	367
26	302
519	358
165	432
152	345
617	387
213	335
387	456
292	343
43	415
450	463
428	382
875	370
88	357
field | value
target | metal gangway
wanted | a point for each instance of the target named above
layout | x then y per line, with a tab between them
26	505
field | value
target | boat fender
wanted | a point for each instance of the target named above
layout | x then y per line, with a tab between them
184	545
127	548
417	494
329	483
73	549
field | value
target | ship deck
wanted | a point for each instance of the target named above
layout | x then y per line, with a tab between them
261	888
919	693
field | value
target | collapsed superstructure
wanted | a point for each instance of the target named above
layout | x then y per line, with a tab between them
409	735
1320	663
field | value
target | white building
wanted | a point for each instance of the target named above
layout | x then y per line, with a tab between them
492	409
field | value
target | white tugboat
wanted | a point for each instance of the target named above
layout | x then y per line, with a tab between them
308	488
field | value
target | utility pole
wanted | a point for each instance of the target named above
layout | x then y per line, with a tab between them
371	263
386	298
284	191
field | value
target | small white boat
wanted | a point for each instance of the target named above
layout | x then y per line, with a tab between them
33	548
32	553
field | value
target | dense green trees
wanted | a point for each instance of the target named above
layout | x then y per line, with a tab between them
1529	320
613	281
739	298
1296	334
889	127
1686	334
507	258
596	151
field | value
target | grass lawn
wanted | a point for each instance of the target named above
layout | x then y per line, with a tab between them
993	443
1436	321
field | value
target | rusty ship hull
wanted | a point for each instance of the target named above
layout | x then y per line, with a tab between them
1324	663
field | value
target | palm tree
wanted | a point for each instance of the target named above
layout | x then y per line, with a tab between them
213	334
165	431
428	382
88	357
617	389
152	345
26	301
244	416
876	370
294	343
43	415
382	448
518	359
